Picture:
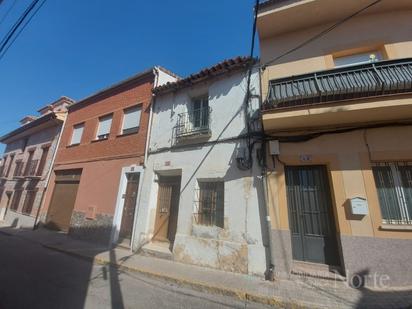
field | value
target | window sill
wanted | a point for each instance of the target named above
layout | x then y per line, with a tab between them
72	145
396	227
127	134
100	140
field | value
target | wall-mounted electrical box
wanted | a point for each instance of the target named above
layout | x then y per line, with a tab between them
359	206
274	148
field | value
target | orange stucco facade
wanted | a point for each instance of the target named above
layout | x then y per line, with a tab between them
347	137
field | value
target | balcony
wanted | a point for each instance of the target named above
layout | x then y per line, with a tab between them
361	93
31	169
195	123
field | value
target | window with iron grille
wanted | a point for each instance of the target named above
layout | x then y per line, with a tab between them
394	185
29	201
16	199
210	203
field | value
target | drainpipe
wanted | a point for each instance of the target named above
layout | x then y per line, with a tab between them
49	172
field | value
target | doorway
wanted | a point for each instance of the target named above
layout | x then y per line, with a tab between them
129	208
311	219
167	208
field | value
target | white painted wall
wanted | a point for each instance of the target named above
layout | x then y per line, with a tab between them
237	247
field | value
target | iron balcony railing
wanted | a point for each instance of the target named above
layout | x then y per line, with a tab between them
194	122
31	168
358	81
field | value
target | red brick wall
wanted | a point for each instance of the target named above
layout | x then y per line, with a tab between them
114	101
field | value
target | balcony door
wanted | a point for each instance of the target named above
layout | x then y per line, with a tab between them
311	219
200	116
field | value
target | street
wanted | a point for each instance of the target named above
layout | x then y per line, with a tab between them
32	276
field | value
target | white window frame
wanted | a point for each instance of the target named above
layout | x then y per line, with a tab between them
104	135
355	59
79	126
131	130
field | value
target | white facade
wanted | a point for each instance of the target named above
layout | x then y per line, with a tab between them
238	246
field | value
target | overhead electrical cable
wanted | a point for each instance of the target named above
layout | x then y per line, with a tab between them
320	34
19	26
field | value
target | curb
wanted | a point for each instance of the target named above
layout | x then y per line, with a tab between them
195	285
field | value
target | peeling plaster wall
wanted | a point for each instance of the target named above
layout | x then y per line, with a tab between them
239	246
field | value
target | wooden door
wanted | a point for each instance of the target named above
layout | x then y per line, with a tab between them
312	224
63	200
167	209
129	207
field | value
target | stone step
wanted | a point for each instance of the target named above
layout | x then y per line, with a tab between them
158	250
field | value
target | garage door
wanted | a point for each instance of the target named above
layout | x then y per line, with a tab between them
63	199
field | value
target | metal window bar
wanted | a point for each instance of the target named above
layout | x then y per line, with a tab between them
196	121
360	81
210	204
394	185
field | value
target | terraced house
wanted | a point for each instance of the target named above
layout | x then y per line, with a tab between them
202	200
99	163
27	161
337	112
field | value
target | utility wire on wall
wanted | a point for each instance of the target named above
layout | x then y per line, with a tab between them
320	34
19	26
246	163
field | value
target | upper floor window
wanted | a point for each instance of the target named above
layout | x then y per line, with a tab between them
77	134
105	124
394	185
200	116
131	120
360	58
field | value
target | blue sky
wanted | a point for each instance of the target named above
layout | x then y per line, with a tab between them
77	47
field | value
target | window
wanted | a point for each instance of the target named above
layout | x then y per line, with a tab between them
16	199
369	57
200	116
210	203
394	185
105	124
9	166
45	152
18	170
3	166
29	201
77	134
29	167
131	120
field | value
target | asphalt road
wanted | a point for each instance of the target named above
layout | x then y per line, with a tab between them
32	276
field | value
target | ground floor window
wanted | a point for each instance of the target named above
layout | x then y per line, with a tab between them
16	199
210	203
29	201
394	185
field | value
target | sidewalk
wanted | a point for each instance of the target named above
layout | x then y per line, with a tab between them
305	292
